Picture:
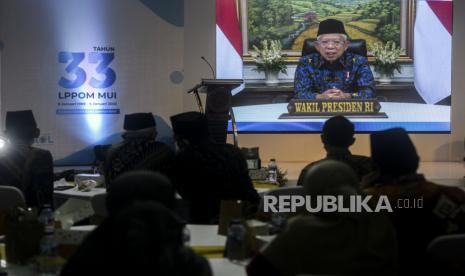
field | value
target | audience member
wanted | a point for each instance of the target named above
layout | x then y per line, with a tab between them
140	236
337	243
426	210
25	167
139	150
337	137
139	186
204	173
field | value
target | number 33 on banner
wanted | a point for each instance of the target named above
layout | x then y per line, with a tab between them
74	60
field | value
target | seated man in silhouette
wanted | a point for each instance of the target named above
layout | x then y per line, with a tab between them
141	234
333	72
330	243
337	137
25	167
422	210
204	173
139	150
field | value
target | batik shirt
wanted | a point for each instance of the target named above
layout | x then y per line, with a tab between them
350	73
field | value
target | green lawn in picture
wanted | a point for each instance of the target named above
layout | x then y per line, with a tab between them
292	21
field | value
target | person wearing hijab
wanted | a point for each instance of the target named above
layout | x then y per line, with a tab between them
422	210
336	243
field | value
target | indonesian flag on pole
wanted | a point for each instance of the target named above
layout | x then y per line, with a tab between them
432	49
228	42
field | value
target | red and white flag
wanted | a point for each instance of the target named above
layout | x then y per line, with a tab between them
433	49
228	42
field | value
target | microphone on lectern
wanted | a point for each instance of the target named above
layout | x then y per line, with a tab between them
209	65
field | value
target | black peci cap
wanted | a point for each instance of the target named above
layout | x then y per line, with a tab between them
21	124
20	119
331	26
138	121
192	126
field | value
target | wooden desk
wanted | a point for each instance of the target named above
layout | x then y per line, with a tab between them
259	93
401	92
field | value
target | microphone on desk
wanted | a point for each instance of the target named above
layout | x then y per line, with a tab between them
209	65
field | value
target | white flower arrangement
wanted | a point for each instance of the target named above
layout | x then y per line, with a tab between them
386	57
269	58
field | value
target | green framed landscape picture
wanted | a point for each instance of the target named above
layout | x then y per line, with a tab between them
293	21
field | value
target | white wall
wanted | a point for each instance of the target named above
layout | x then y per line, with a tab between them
148	49
199	40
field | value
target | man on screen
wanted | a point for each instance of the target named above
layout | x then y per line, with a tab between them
333	72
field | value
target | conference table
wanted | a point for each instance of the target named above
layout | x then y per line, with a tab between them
73	192
206	236
202	238
75	205
224	267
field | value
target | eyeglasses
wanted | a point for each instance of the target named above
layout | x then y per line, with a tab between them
336	43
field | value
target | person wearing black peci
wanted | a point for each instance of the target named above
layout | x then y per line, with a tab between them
27	168
333	72
204	172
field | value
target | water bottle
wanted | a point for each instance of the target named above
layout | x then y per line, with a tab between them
278	222
47	218
48	243
186	236
272	171
235	244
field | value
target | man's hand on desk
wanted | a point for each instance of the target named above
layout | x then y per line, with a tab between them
334	94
